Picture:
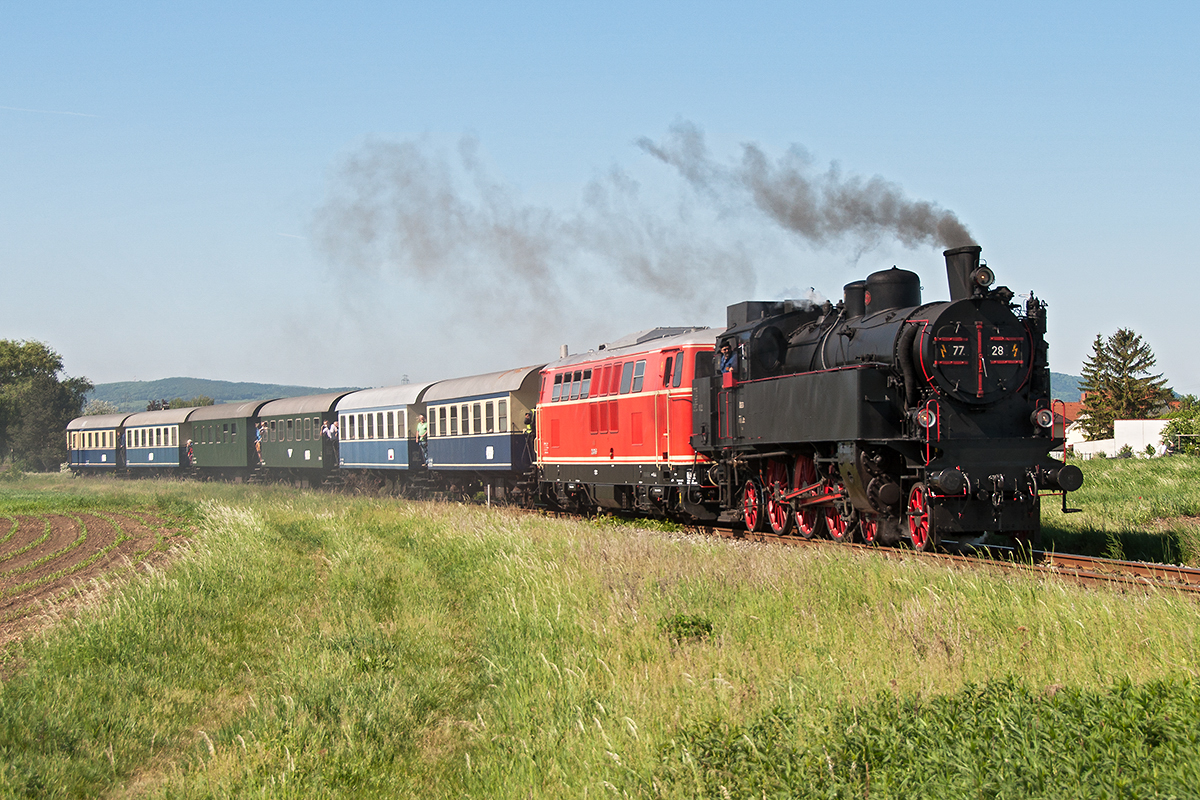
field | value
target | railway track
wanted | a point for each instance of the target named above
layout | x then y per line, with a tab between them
1084	570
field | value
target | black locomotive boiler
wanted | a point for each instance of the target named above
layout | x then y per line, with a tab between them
884	416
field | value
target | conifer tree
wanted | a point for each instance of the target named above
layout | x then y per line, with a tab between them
1118	384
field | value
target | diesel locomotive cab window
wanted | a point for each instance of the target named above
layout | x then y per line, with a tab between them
626	377
667	369
677	379
639	372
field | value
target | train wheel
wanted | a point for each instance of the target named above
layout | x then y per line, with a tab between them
920	519
779	512
840	529
752	511
808	520
868	528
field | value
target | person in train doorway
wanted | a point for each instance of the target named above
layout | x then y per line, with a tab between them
728	360
423	438
260	433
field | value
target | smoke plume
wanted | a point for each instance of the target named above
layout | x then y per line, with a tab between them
425	239
820	207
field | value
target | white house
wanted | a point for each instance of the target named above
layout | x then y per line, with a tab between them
1137	433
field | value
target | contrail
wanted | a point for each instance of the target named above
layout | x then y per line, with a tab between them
45	111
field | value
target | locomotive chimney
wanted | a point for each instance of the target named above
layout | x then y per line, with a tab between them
961	263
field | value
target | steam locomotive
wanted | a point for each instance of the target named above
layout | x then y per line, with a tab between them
886	416
882	418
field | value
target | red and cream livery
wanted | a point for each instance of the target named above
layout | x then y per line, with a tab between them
614	426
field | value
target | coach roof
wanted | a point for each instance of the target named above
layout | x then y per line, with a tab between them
96	421
309	404
227	411
479	385
384	396
168	416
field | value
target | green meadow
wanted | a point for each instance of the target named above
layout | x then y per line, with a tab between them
302	644
1135	509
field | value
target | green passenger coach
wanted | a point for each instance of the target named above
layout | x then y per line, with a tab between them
223	439
292	444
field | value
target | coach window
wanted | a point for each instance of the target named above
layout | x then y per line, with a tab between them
477	418
158	437
379	423
453	419
233	432
489	417
291	430
391	425
370	426
224	434
502	415
271	428
587	384
638	373
626	377
677	379
557	395
466	420
307	429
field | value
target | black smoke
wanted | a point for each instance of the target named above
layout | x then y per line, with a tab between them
821	207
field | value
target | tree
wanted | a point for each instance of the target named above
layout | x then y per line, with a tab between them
192	402
97	407
36	404
1117	383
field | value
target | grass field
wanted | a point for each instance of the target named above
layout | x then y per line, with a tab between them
1136	509
307	645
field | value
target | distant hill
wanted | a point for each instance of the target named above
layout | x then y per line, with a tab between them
134	395
1064	387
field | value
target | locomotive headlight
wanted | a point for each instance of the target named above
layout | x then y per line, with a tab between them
926	417
1043	418
983	276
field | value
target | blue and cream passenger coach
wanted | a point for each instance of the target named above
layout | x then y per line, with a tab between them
94	443
478	423
378	427
157	440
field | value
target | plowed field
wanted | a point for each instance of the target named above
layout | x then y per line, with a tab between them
48	562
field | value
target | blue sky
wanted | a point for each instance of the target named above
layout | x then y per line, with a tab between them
214	190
